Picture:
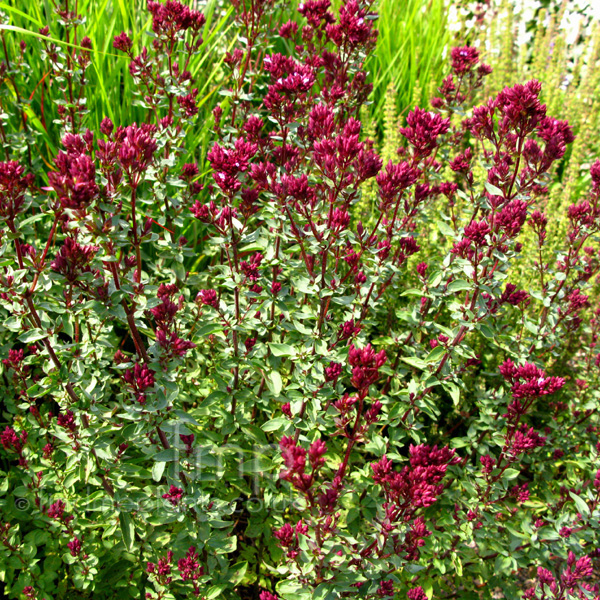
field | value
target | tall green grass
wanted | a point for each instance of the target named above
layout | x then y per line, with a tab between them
568	67
109	89
411	54
408	63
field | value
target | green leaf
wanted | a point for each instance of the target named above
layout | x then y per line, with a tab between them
435	279
510	474
301	328
206	330
12	323
275	424
36	390
28	550
445	229
215	591
412	292
292	591
436	354
582	506
158	468
304	286
275	383
127	530
258	464
324	592
22	31
415	362
186	418
239	570
33	335
486	331
454	392
169	455
281	349
492	189
459	285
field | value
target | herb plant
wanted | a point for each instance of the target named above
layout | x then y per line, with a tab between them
296	405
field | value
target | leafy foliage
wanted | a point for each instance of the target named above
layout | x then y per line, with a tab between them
294	405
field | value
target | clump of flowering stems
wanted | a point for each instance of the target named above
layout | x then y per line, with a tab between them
324	411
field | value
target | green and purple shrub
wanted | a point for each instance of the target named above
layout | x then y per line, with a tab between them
293	405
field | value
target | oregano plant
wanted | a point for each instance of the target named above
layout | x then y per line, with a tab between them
292	404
